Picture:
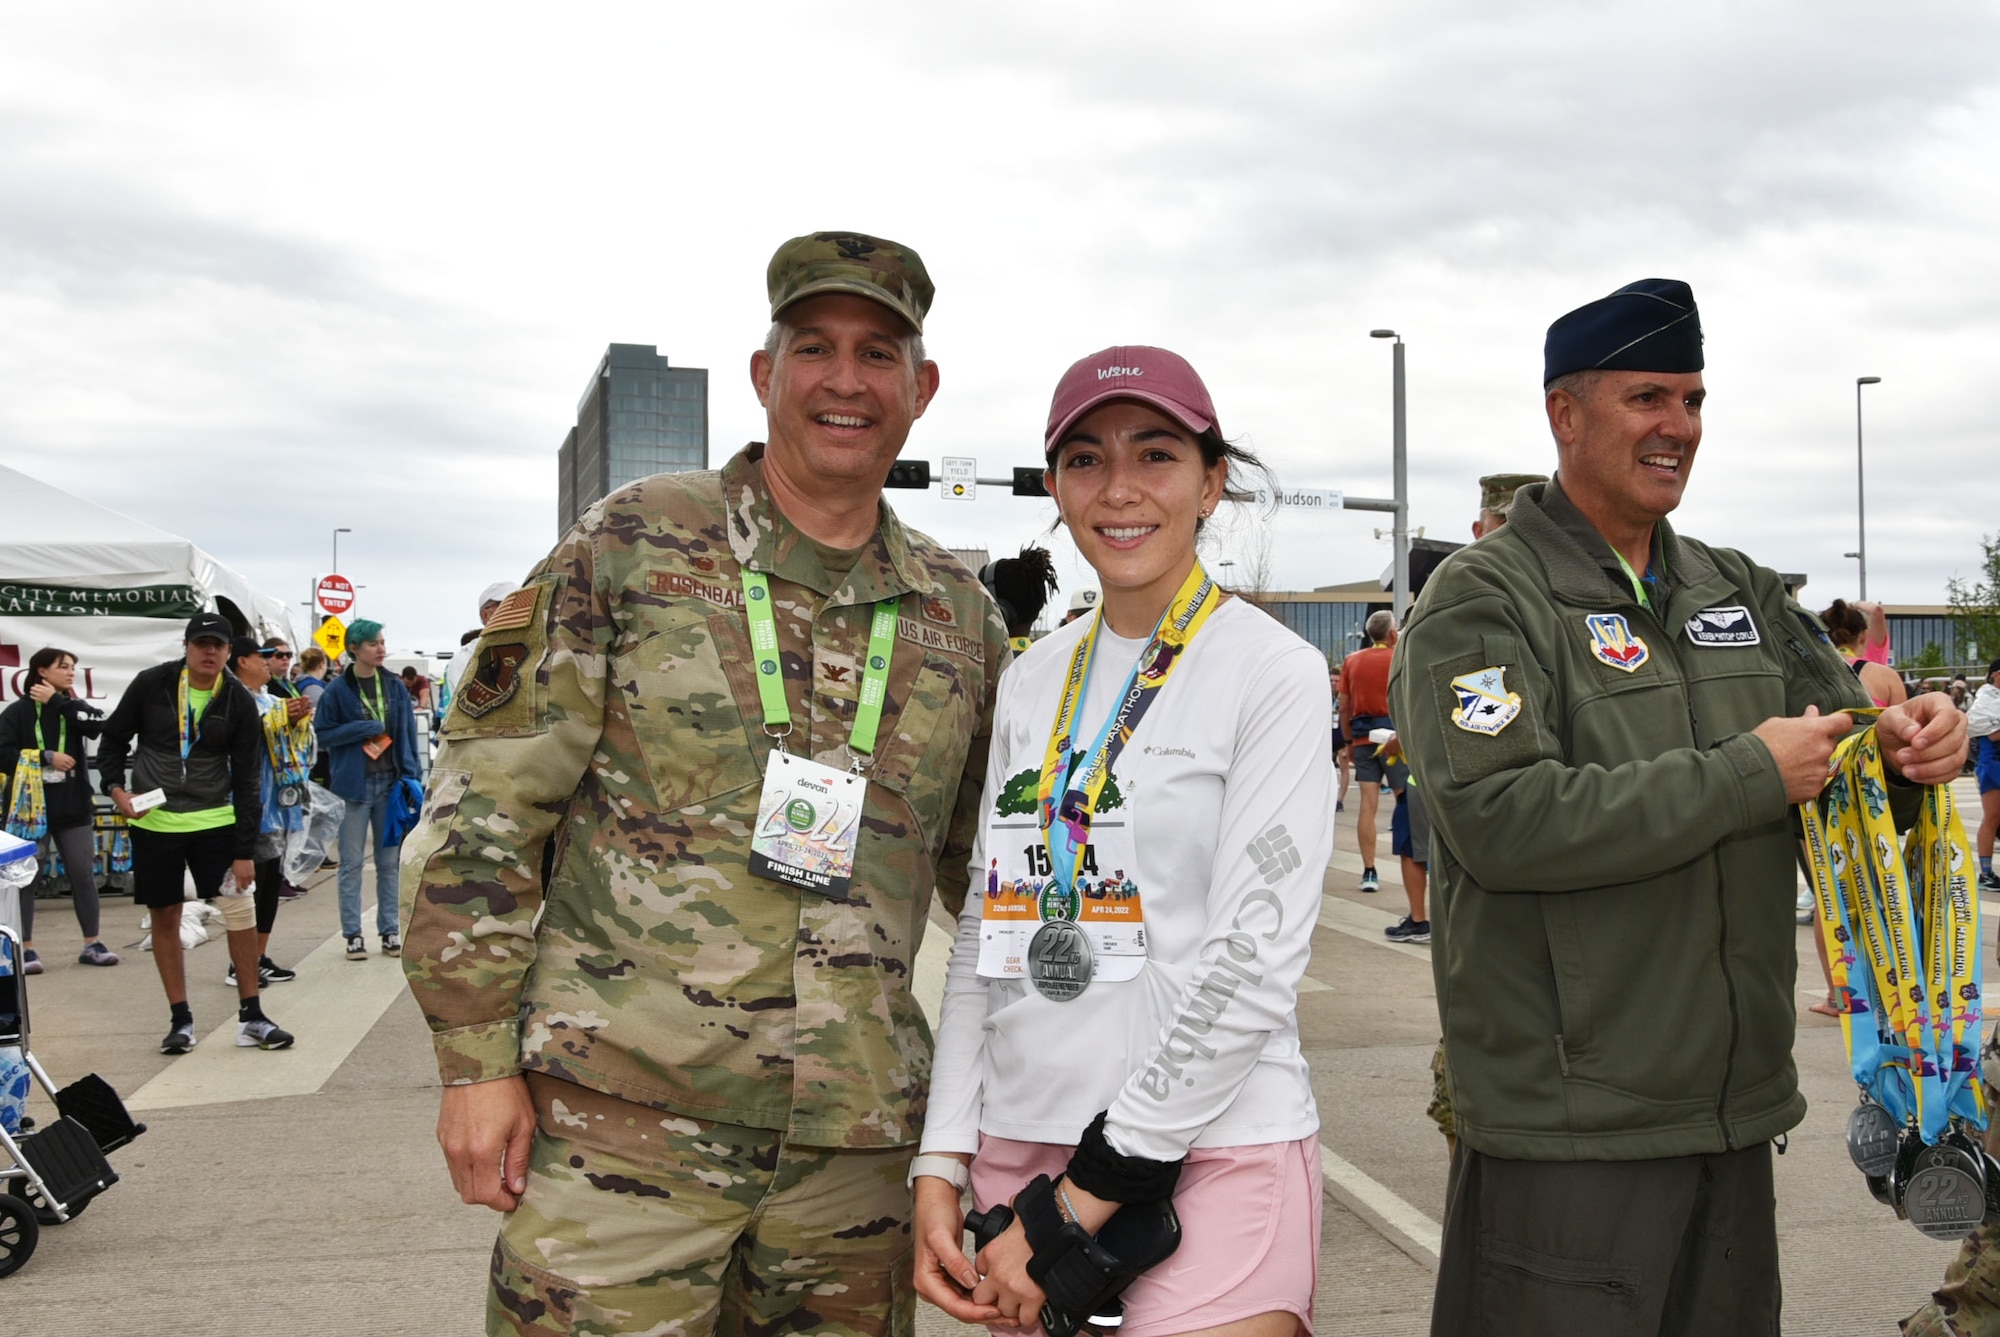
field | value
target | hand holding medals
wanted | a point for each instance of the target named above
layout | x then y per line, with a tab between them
1901	932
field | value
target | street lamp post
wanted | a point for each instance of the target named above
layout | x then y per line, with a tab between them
335	568
1861	484
1400	467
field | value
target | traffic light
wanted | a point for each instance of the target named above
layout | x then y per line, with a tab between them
1028	483
909	473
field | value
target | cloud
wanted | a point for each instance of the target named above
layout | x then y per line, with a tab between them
266	273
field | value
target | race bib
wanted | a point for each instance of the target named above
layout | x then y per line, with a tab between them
1019	895
807	821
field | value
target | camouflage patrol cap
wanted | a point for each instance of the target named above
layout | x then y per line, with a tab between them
1496	491
883	271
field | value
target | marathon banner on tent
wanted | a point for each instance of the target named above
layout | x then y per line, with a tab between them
21	599
110	652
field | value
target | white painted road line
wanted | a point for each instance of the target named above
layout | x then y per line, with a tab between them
1358	921
1397	1221
330	1007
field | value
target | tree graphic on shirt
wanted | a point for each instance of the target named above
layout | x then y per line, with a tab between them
1018	795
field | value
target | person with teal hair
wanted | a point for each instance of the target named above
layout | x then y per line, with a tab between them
368	730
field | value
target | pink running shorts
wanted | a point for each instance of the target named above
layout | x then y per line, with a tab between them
1250	1222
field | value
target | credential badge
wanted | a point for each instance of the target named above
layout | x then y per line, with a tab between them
1612	641
1724	626
1485	706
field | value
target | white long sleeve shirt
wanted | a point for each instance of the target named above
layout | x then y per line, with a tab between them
1984	716
1226	793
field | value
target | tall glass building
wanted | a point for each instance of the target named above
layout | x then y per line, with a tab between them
637	417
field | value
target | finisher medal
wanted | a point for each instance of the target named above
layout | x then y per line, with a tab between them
1945	1194
1871	1139
290	796
1059	961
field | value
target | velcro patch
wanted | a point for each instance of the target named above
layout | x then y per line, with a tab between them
1485	706
1482	747
516	611
679	585
502	694
931	638
496	676
1731	625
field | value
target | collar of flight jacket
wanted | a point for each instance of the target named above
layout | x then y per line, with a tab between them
1582	567
763	539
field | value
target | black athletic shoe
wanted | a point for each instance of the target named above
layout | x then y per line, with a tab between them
262	1034
270	972
179	1040
1410	930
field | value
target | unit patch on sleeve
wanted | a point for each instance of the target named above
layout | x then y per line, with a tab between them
494	679
1494	729
1485	706
1613	642
1724	626
501	695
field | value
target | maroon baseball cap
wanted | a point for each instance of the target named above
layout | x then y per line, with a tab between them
1131	371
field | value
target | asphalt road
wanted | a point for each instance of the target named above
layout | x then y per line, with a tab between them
301	1192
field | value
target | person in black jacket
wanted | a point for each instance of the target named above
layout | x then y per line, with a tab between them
200	744
49	721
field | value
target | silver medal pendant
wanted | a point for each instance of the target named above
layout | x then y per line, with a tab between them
1059	961
290	796
1945	1193
1871	1139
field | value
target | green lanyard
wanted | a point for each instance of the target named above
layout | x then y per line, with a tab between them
1638	585
374	707
62	732
771	680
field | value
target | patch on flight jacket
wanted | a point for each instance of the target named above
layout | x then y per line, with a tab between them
1731	625
1614	642
1475	753
501	694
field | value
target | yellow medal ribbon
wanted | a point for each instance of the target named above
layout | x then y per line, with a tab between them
1901	929
1184	618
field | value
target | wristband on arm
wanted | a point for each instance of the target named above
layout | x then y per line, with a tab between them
1098	1168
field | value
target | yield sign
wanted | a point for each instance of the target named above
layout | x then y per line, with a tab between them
334	594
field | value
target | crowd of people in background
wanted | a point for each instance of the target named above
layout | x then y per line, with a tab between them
211	764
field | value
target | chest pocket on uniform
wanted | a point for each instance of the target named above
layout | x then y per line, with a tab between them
685	713
923	743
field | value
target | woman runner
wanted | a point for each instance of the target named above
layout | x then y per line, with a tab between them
49	723
1183	842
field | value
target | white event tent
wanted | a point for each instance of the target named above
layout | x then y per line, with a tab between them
115	591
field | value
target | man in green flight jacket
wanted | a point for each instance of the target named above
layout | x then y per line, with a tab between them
1612	723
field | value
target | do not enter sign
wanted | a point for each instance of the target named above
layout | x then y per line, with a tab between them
334	595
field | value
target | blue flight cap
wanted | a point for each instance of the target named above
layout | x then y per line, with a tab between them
1651	325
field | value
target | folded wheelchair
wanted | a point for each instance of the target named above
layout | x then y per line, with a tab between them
48	1176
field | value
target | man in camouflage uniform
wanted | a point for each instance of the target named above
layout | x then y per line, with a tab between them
696	1091
1968	1303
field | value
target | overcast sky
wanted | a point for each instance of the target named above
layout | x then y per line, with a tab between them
267	270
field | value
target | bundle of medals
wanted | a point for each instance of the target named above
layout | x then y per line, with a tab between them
1061	963
1901	928
289	743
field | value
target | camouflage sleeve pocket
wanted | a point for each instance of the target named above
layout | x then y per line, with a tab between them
505	691
1487	722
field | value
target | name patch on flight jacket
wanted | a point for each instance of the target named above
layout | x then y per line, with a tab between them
1732	625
